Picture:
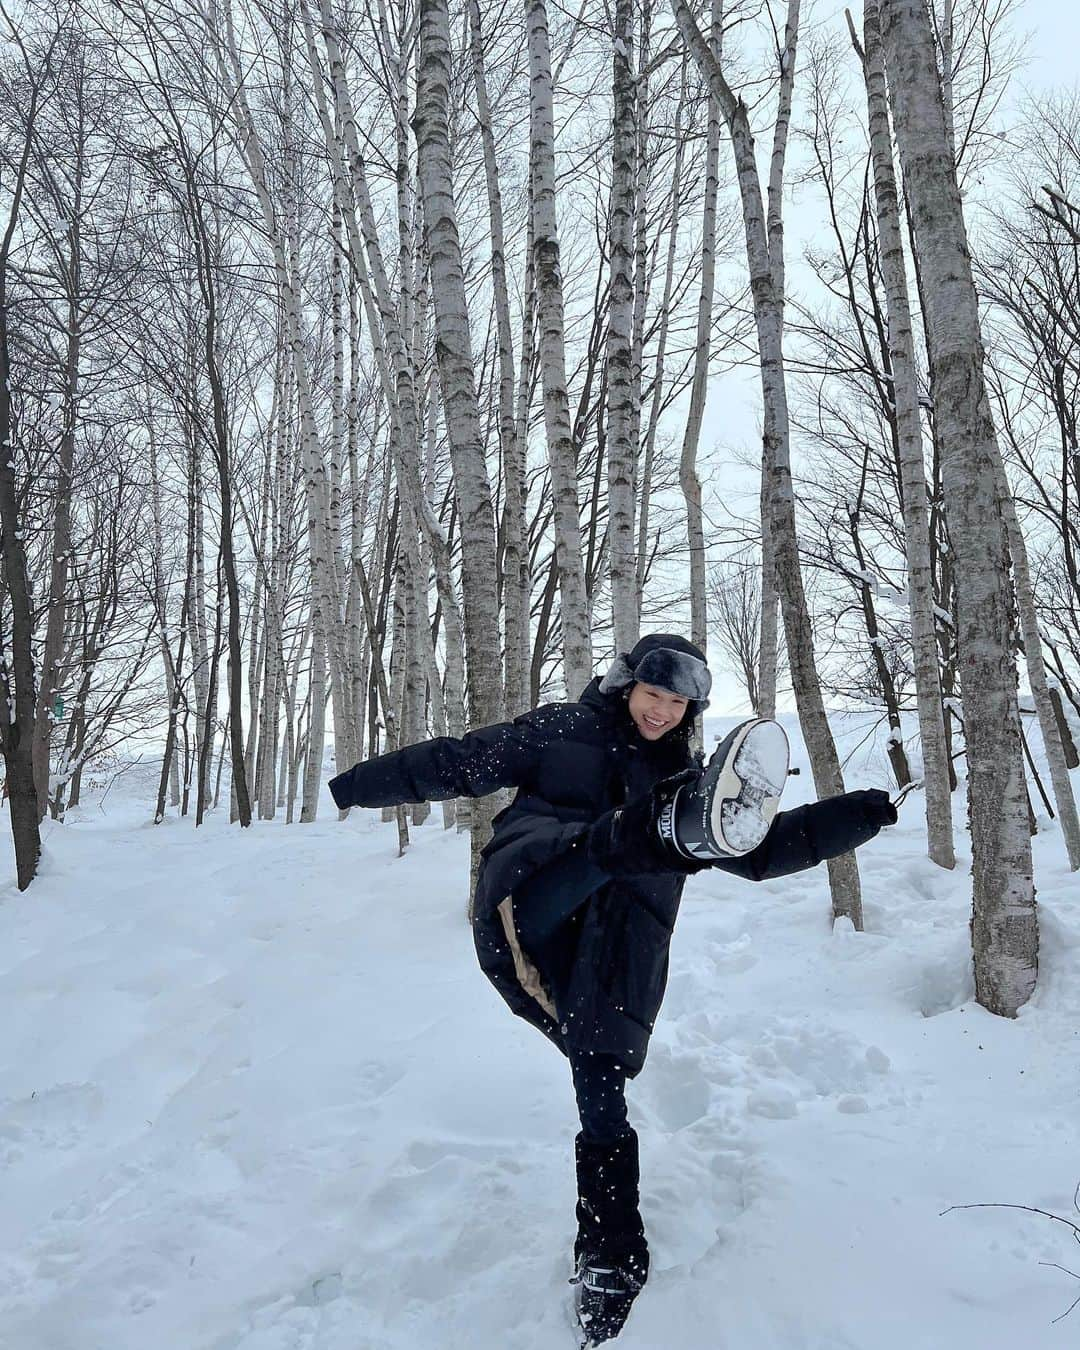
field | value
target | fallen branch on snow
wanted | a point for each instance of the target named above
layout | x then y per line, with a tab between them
1046	1214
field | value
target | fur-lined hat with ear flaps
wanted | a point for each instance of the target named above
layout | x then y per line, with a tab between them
667	662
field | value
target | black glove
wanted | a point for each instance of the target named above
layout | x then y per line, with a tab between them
626	841
875	805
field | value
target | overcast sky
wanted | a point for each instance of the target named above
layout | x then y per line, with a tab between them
1055	31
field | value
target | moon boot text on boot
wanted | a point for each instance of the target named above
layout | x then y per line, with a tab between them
603	1299
730	809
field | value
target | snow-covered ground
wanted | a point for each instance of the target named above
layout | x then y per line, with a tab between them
255	1095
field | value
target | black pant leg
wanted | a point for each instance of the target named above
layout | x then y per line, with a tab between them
600	1088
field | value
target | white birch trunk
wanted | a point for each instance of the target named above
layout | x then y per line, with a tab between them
643	159
453	625
947	71
577	641
341	684
273	671
258	631
522	657
1004	925
769	652
160	602
323	562
769	643
457	380
688	475
417	618
920	576
621	454
312	782
435	686
359	493
200	653
297	713
397	656
516	585
768	317
1036	669
644	479
456	373
451	694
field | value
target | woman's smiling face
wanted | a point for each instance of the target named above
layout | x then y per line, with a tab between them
655	711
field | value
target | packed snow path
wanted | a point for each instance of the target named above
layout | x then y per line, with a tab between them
256	1095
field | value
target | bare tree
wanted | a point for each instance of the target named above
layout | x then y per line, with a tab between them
621	451
456	372
735	621
31	83
764	250
512	434
577	643
1004	926
905	400
688	475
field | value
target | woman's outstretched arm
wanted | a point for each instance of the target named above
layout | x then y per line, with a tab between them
482	761
811	834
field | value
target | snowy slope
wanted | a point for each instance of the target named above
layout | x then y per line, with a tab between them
255	1095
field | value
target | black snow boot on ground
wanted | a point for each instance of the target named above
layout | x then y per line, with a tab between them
611	1256
730	809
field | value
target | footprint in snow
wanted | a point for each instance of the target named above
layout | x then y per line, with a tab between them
809	1062
732	958
376	1079
698	1185
774	1103
675	1088
322	1290
55	1118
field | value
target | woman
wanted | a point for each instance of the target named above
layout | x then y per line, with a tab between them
577	895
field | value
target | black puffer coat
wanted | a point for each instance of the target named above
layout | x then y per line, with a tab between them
580	955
